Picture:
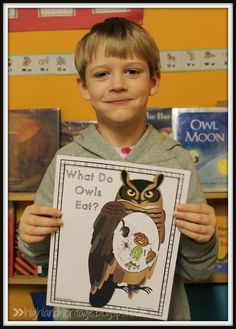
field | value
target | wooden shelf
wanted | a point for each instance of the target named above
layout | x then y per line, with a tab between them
28	279
216	277
21	196
216	195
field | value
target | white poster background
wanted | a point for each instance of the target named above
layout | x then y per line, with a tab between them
82	187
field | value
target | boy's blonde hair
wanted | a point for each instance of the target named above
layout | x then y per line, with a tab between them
122	38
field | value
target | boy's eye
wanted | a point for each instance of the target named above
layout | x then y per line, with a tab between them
133	71
101	74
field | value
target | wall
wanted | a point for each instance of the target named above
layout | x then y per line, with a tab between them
173	29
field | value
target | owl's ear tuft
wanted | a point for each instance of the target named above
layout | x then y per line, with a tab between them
124	176
158	179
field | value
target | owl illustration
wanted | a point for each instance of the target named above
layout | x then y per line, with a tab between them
126	239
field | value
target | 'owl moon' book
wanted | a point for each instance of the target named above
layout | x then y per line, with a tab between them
117	249
204	133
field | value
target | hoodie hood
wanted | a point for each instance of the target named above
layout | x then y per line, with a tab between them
152	144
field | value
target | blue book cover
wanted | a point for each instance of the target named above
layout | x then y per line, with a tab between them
204	133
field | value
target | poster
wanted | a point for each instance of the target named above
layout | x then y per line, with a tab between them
117	249
44	19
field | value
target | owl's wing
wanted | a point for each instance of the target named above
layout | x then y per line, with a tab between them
101	258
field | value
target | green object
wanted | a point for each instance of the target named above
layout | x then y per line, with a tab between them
136	252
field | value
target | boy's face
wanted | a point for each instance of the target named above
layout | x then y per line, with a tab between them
118	89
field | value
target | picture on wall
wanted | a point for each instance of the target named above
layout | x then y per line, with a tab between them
40	19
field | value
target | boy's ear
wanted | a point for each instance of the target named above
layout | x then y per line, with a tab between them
155	83
83	88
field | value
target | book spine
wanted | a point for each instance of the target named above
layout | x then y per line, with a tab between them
222	255
11	224
22	265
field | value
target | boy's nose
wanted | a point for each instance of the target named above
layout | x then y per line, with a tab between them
118	83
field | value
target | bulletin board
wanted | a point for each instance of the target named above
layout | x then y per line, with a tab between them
39	19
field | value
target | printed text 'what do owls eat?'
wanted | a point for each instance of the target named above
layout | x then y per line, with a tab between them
93	191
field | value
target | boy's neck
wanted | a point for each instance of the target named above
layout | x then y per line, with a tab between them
121	136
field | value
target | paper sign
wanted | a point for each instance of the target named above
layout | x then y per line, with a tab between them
117	250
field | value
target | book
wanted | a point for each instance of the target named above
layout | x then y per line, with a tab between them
118	216
161	119
222	234
71	128
11	230
204	133
33	140
22	264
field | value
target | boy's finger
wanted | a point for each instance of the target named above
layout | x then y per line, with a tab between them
201	238
195	208
38	230
44	221
192	217
43	210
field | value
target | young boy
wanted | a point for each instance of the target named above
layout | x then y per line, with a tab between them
119	68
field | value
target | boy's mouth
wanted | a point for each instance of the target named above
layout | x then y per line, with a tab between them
119	101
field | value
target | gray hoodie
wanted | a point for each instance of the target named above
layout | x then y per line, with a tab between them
194	262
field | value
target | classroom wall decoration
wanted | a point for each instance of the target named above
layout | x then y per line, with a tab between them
39	19
171	61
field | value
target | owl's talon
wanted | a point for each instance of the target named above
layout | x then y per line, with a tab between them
127	289
148	290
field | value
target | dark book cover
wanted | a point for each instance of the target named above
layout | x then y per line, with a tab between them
161	119
71	128
34	138
11	230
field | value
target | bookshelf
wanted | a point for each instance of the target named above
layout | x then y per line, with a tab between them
214	278
216	195
218	200
21	279
21	196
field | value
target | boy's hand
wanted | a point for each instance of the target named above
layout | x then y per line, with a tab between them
37	222
196	221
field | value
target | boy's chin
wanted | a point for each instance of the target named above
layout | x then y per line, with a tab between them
121	122
121	119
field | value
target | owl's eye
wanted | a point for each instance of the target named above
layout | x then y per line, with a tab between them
130	192
148	194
